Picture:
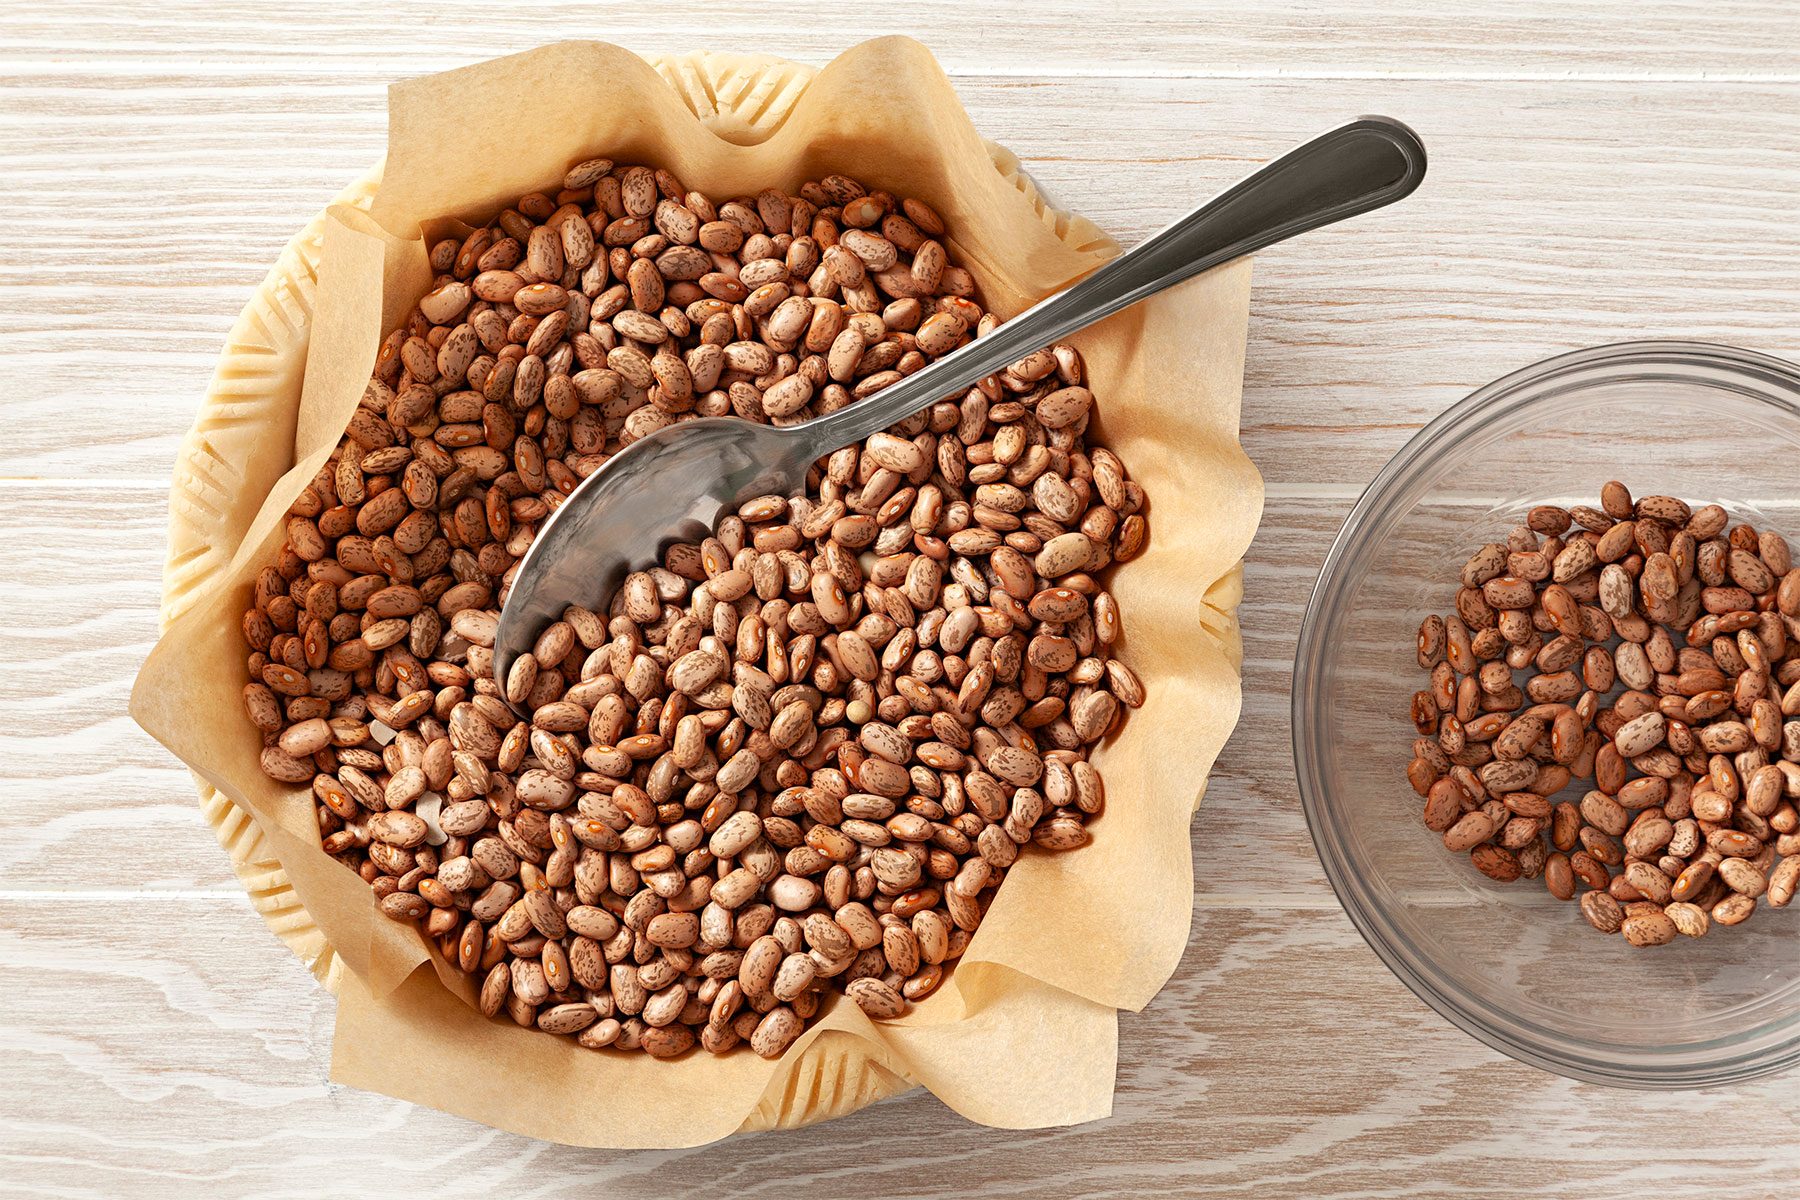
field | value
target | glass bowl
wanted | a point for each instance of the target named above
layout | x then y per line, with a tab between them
1509	963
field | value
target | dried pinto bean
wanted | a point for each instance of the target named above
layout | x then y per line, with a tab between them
800	756
1689	819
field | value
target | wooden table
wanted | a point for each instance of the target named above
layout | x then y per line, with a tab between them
1621	171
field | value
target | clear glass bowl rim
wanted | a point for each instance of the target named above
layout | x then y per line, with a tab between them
1763	377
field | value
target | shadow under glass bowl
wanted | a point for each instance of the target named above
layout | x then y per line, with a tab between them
1508	963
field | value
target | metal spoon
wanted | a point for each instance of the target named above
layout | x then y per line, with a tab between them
676	483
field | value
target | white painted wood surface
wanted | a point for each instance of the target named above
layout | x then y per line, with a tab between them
1624	170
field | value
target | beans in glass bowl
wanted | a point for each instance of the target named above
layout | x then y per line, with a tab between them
1648	649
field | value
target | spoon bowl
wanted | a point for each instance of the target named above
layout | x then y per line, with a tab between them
670	486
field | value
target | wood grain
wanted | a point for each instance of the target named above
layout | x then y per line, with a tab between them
1232	1081
1602	171
1610	39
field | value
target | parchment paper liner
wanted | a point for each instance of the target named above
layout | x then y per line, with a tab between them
1024	1032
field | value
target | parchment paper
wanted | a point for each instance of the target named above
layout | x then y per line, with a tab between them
1023	1033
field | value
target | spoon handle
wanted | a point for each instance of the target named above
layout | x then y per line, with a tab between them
1364	165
